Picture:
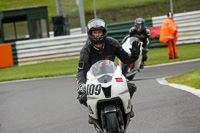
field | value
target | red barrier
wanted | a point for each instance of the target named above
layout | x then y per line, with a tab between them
6	57
155	32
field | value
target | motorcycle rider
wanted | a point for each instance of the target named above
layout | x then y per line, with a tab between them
143	33
100	47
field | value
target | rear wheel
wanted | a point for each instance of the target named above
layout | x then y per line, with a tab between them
112	123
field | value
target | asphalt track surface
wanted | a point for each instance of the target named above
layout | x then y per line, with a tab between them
50	106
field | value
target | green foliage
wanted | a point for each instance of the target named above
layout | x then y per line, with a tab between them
190	79
111	11
111	4
185	52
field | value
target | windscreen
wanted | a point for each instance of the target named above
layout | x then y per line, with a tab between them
103	67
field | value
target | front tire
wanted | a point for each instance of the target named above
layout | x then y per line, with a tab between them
112	123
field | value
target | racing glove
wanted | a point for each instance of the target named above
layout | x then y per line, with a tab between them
135	51
81	88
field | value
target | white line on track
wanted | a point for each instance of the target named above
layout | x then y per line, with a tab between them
172	63
194	91
177	86
37	79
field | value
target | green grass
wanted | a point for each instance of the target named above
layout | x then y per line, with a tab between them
69	67
185	52
70	7
111	4
190	79
47	69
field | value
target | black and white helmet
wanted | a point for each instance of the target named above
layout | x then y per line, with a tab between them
139	24
170	15
97	24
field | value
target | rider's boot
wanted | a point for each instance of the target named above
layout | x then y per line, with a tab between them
90	120
142	65
97	129
132	114
132	88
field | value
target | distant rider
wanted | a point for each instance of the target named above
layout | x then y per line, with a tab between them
143	33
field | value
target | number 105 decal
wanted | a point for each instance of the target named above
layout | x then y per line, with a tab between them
93	89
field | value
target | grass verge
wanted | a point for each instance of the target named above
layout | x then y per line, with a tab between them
69	67
185	52
190	79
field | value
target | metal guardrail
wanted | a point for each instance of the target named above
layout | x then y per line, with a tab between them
179	18
68	47
127	25
120	30
74	31
49	49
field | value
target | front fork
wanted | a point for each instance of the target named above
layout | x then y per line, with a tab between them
123	120
112	108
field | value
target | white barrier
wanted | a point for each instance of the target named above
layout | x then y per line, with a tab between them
74	31
49	49
179	18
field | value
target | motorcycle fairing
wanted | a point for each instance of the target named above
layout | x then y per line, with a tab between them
95	92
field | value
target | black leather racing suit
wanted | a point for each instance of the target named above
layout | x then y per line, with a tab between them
90	55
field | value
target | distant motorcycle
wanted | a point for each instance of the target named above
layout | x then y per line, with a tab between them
108	97
130	70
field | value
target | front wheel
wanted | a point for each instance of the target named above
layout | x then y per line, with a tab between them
112	123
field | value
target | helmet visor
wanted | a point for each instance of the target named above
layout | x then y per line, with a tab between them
139	26
96	24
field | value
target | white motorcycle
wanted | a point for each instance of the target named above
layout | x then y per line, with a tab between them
108	97
130	70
